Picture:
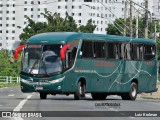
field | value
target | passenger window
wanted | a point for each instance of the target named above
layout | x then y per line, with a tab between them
128	51
137	51
112	49
149	52
87	49
99	49
123	53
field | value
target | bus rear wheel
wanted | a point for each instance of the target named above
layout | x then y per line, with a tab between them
99	96
80	93
132	95
43	95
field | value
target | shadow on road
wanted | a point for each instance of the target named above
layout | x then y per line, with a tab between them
69	99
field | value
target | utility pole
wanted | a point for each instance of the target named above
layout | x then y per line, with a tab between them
131	10
146	20
137	24
125	17
155	30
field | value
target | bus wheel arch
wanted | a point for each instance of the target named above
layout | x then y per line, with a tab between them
133	90
80	90
135	81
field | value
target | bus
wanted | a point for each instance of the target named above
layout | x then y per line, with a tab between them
79	63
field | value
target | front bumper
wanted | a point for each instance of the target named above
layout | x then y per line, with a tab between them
50	87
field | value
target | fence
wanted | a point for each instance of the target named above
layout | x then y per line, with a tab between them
9	79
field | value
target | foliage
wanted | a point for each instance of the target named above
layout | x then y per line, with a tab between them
9	85
89	28
54	23
158	48
112	29
8	66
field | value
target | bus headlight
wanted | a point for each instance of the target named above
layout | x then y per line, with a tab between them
26	81
57	80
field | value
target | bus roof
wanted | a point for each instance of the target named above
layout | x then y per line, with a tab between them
60	37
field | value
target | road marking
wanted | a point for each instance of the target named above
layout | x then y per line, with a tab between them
19	107
11	95
11	90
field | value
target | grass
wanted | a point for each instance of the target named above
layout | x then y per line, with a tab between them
150	98
9	85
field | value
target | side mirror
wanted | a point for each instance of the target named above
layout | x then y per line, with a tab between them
17	50
63	51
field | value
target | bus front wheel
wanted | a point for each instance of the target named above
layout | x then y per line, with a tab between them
132	95
80	93
43	95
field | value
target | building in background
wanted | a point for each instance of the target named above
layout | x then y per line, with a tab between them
156	9
13	12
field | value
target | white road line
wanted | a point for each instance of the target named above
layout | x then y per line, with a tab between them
11	95
19	107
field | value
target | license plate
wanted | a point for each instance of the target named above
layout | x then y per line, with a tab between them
39	88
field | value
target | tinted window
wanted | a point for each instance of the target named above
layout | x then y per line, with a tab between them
87	49
137	52
128	51
149	52
99	49
112	50
123	51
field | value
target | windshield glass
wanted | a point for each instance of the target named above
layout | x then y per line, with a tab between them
41	59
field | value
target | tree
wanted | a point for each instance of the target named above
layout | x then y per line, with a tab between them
89	28
32	28
7	66
54	23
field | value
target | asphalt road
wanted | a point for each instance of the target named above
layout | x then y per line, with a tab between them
12	99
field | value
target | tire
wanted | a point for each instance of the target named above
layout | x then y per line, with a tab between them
80	93
43	95
132	95
99	96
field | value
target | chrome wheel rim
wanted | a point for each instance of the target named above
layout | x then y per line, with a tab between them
133	91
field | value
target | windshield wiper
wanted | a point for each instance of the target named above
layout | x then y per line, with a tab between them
33	66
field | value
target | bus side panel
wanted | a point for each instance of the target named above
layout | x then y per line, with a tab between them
81	70
112	76
149	71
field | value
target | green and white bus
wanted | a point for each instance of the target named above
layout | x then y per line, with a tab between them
79	63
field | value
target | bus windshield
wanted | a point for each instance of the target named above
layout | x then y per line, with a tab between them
42	59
